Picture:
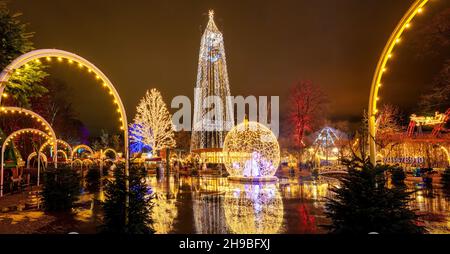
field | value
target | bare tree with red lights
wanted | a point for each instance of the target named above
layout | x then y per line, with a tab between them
307	107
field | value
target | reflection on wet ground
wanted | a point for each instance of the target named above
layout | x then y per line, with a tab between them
214	205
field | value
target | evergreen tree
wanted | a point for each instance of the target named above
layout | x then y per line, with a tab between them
363	203
398	176
93	179
140	204
61	189
15	41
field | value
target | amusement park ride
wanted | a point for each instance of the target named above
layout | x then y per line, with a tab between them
438	122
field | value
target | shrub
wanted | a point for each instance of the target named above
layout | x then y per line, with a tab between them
364	203
61	189
140	204
398	176
93	180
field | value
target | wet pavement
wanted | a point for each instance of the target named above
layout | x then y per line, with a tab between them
216	205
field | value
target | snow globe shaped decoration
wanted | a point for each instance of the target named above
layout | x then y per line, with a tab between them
252	153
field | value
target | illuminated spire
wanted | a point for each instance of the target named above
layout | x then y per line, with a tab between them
211	124
211	27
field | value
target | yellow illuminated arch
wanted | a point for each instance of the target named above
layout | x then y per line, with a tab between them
59	141
46	125
446	153
85	147
50	55
393	41
77	161
10	139
110	150
34	154
63	153
87	162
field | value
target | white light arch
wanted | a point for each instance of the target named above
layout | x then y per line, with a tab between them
46	125
10	139
59	141
34	154
63	153
61	55
82	146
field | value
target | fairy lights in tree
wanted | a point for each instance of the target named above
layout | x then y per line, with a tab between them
153	123
211	122
137	145
252	151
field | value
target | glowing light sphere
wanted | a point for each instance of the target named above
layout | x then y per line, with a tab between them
252	152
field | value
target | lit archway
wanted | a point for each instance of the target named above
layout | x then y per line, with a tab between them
87	162
58	141
78	147
50	55
77	161
393	41
34	154
28	113
446	153
64	154
10	139
116	156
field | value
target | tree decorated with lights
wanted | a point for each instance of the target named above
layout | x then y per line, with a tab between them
153	123
211	123
307	106
15	41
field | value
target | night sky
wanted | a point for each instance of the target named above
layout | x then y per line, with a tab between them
270	45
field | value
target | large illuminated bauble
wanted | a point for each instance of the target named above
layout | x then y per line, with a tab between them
252	152
253	209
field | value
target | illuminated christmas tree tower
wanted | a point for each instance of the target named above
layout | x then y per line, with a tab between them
211	121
